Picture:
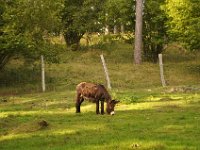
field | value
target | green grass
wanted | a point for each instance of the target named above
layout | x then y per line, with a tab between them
180	69
154	121
148	117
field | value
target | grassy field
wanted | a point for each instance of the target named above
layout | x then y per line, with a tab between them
180	69
156	121
148	117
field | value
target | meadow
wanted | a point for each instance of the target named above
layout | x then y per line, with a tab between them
148	117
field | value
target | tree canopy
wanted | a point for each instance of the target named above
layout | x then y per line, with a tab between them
184	22
79	17
155	31
27	25
115	12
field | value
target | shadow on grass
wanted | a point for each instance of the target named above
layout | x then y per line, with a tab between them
162	127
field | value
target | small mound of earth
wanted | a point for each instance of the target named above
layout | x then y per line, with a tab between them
43	123
31	126
183	89
3	100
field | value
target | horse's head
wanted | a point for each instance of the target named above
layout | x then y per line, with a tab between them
110	106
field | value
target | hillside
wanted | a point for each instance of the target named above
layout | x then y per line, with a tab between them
181	68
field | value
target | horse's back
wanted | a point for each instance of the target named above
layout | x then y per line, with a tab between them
91	90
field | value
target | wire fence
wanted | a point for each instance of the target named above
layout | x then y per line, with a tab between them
179	71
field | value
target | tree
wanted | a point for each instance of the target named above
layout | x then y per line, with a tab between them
79	17
115	13
184	22
26	28
138	32
1	16
154	35
9	42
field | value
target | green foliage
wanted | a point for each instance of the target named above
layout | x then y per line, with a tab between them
26	28
184	22
84	16
12	45
154	34
79	17
37	18
117	12
1	13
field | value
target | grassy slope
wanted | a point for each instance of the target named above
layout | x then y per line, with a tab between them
161	122
149	117
180	68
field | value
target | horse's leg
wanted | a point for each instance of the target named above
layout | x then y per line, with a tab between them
102	107
82	99
78	103
97	107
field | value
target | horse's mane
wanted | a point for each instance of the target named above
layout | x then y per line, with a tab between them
107	96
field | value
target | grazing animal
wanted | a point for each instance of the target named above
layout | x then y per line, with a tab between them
95	93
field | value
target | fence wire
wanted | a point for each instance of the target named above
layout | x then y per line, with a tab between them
179	71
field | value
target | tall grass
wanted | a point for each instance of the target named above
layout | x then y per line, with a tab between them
180	69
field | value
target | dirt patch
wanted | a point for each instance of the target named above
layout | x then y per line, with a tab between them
32	126
182	89
3	100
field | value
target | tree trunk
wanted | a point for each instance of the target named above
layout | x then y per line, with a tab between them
72	39
115	29
122	29
138	32
107	31
4	58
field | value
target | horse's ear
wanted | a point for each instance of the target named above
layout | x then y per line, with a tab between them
115	101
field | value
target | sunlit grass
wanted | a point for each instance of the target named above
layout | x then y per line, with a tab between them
148	117
24	113
154	121
180	69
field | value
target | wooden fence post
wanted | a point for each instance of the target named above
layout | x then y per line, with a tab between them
106	71
161	70
43	74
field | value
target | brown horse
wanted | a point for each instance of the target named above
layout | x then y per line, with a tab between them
95	93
